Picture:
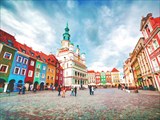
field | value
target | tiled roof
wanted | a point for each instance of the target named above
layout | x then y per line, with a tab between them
90	71
114	70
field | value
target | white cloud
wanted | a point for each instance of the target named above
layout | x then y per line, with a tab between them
71	4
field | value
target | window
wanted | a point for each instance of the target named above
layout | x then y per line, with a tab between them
37	74
145	34
38	66
3	68
19	59
150	27
60	78
49	70
30	73
43	75
16	70
155	44
56	77
51	78
150	50
52	70
159	34
44	67
25	61
7	55
155	65
23	72
32	63
48	77
57	71
10	43
159	58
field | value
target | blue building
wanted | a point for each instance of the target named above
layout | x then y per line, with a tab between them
18	70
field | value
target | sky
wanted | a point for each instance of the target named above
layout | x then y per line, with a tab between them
105	30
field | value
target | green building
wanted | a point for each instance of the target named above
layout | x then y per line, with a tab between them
103	78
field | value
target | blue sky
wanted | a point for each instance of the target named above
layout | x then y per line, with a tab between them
106	30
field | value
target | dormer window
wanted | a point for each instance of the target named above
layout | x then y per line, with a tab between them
10	43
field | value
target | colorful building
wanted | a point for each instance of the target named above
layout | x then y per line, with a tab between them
73	63
103	78
7	54
51	70
128	73
108	78
18	70
98	78
91	75
59	74
115	74
150	29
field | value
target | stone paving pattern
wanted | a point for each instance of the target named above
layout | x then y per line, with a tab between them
106	104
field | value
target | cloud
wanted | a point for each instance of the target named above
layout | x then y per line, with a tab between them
106	31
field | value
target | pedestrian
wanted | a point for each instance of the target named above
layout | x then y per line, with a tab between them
75	91
63	92
20	89
53	88
59	90
72	91
23	89
31	87
92	89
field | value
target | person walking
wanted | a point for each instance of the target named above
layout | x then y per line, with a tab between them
63	92
20	89
23	89
92	89
72	91
75	91
59	90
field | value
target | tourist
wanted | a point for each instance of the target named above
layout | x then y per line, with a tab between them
75	91
92	89
59	90
63	92
23	89
72	91
20	89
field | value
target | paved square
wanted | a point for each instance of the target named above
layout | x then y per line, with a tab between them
106	104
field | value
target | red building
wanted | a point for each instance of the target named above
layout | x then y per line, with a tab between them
7	39
108	77
59	74
98	79
150	28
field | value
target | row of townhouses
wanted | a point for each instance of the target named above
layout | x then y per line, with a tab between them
142	68
21	65
110	78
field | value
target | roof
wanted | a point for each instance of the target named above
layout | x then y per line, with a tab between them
114	70
90	71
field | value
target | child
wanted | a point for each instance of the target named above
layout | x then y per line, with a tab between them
63	92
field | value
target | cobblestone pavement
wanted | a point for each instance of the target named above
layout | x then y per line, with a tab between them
106	104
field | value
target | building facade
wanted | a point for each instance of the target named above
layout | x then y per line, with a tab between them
150	29
73	63
103	78
115	74
91	75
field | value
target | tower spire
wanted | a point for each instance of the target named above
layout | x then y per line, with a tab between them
66	35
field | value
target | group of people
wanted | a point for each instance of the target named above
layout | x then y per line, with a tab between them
91	90
73	91
63	89
22	89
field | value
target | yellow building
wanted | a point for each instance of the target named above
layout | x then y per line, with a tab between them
115	75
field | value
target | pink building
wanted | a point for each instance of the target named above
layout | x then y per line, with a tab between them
150	28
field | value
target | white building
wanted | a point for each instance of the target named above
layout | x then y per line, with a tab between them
73	63
91	75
